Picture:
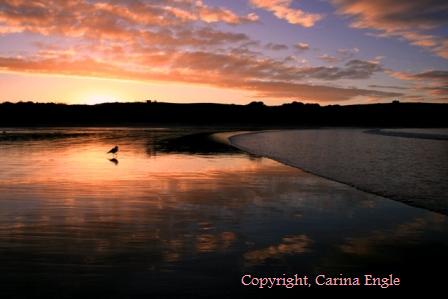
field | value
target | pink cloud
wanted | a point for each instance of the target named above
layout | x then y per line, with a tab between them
282	10
413	21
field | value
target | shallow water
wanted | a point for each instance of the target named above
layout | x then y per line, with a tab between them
411	170
163	222
426	131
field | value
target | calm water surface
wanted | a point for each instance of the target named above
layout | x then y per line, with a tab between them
169	219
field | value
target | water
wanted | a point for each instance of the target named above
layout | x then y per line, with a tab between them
170	218
432	131
411	168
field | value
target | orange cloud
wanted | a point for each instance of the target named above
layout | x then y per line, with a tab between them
78	17
437	82
267	78
214	14
155	41
311	93
198	11
434	82
411	20
282	10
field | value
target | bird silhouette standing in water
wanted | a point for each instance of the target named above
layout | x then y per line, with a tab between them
113	151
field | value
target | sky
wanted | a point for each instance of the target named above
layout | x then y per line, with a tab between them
235	51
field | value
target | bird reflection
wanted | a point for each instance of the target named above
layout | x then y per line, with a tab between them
114	160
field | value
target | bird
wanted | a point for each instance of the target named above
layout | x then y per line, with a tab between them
113	151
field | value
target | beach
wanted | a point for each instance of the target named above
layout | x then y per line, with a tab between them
407	165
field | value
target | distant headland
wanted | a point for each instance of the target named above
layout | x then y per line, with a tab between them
293	114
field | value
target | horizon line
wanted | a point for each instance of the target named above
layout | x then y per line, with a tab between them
261	103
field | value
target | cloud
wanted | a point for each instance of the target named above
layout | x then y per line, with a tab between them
155	23
276	47
266	78
436	82
433	75
302	46
341	55
388	87
152	41
328	58
354	69
282	10
79	17
311	93
261	68
219	14
414	21
345	54
428	84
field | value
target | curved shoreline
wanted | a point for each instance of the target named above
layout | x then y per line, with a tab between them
231	140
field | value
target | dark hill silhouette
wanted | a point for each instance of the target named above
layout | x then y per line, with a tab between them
254	114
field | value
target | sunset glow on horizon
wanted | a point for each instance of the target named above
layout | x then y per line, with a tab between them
276	51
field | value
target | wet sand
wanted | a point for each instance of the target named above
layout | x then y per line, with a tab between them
409	170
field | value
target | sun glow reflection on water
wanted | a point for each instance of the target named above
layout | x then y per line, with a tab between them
197	218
